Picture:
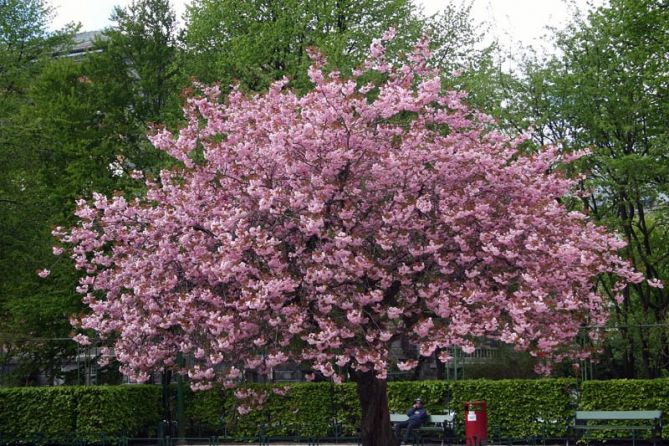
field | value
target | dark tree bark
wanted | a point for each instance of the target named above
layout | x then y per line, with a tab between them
440	366
165	381
375	429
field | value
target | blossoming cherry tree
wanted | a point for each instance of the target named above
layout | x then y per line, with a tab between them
318	229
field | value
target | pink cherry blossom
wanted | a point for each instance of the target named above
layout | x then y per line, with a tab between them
407	365
82	339
281	391
316	229
655	283
43	273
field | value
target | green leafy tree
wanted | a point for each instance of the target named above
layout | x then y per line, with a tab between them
135	80
255	42
607	91
25	41
76	126
467	63
28	307
139	56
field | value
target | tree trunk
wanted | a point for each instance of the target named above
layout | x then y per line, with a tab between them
440	366
165	381
375	427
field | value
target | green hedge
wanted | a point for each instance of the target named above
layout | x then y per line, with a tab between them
35	414
26	413
515	407
117	410
309	409
305	410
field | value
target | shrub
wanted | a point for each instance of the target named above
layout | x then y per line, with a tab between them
38	414
56	414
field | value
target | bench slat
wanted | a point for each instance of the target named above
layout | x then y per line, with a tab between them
398	417
441	418
619	415
431	419
612	427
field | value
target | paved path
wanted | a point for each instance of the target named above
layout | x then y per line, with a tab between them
356	444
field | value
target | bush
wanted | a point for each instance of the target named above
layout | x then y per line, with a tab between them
33	413
309	409
116	411
39	414
306	410
516	408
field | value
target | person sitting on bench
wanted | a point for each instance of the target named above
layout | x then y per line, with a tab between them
417	416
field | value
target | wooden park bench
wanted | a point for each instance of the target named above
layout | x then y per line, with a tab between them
619	420
440	426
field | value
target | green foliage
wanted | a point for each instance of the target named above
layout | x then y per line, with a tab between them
309	406
28	307
306	410
139	59
515	405
62	152
256	42
347	407
116	410
205	411
25	43
74	127
43	413
435	395
30	413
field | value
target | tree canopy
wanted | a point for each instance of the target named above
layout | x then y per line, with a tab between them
73	125
319	228
257	42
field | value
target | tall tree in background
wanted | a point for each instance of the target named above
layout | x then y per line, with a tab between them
25	41
73	127
608	92
259	41
135	78
466	63
256	42
29	309
141	47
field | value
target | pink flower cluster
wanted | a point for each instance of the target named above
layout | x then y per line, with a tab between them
321	228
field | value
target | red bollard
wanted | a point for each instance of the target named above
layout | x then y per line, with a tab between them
476	423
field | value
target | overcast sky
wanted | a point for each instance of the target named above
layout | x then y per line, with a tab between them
511	21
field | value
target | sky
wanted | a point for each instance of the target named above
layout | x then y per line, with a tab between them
512	22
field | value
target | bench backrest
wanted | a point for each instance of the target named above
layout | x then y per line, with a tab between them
618	414
436	419
398	417
440	419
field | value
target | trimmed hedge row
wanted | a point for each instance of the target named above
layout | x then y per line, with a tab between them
312	409
31	414
515	407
